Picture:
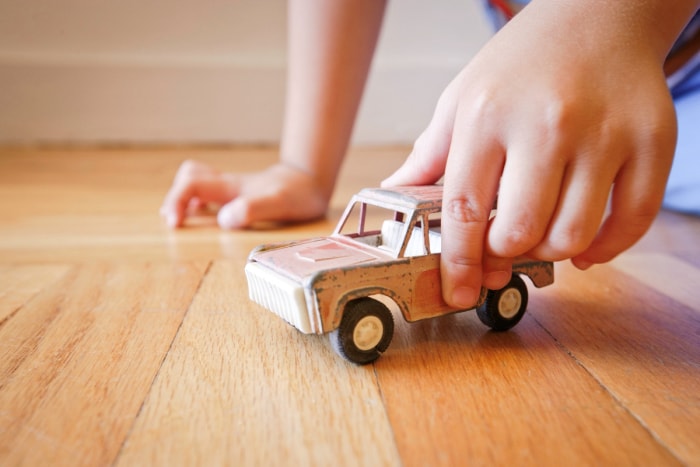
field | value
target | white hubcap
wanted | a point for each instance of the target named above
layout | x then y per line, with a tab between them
368	332
509	303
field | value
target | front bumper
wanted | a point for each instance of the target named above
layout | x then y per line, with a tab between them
279	294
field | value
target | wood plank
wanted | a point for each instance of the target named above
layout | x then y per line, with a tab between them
20	283
458	394
664	273
79	358
675	234
642	346
241	387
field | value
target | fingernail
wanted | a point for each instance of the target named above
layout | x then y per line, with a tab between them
464	297
582	264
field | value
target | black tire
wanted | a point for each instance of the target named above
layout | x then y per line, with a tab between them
504	308
365	331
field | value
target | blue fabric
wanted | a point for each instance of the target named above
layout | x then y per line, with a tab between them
683	189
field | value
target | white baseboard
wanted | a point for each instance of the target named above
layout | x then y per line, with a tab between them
102	102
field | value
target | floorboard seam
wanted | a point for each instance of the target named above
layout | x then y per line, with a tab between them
386	413
160	365
612	394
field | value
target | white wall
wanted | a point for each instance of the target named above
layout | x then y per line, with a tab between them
205	71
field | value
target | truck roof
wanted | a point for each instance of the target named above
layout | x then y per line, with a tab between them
404	197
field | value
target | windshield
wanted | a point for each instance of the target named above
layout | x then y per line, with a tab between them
373	225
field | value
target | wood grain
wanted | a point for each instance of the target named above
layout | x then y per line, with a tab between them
664	273
19	284
240	387
643	347
122	342
79	359
516	398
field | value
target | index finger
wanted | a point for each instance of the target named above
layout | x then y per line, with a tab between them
472	173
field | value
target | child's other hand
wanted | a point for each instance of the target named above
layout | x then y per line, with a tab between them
277	194
559	110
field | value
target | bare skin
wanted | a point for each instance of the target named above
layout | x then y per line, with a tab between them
555	143
279	193
331	44
564	110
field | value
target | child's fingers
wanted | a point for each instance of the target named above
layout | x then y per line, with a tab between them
636	198
452	146
425	164
191	168
194	181
245	211
471	181
580	209
176	202
497	271
527	198
269	206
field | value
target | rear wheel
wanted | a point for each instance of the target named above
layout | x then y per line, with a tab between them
504	308
365	331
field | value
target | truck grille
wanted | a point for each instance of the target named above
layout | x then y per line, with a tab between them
279	294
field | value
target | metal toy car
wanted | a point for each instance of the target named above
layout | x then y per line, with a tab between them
386	246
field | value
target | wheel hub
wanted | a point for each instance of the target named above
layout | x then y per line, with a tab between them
510	302
368	332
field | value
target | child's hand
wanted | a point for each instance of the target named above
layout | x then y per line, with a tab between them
559	110
280	193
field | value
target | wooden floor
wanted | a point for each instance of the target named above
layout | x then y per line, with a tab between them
124	343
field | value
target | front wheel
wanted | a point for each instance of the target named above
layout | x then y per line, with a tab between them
365	331
504	308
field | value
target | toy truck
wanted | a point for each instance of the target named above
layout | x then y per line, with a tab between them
385	248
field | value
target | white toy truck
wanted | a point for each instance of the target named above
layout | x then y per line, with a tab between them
386	247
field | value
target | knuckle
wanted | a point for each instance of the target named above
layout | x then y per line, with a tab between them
565	242
518	239
459	259
569	242
642	215
464	249
466	211
559	117
635	222
484	105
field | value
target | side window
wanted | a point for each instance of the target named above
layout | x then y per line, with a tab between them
424	237
375	226
416	242
434	232
363	220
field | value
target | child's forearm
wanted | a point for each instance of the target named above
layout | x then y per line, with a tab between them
331	43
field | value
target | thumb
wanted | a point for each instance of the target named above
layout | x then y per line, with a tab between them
236	214
425	164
